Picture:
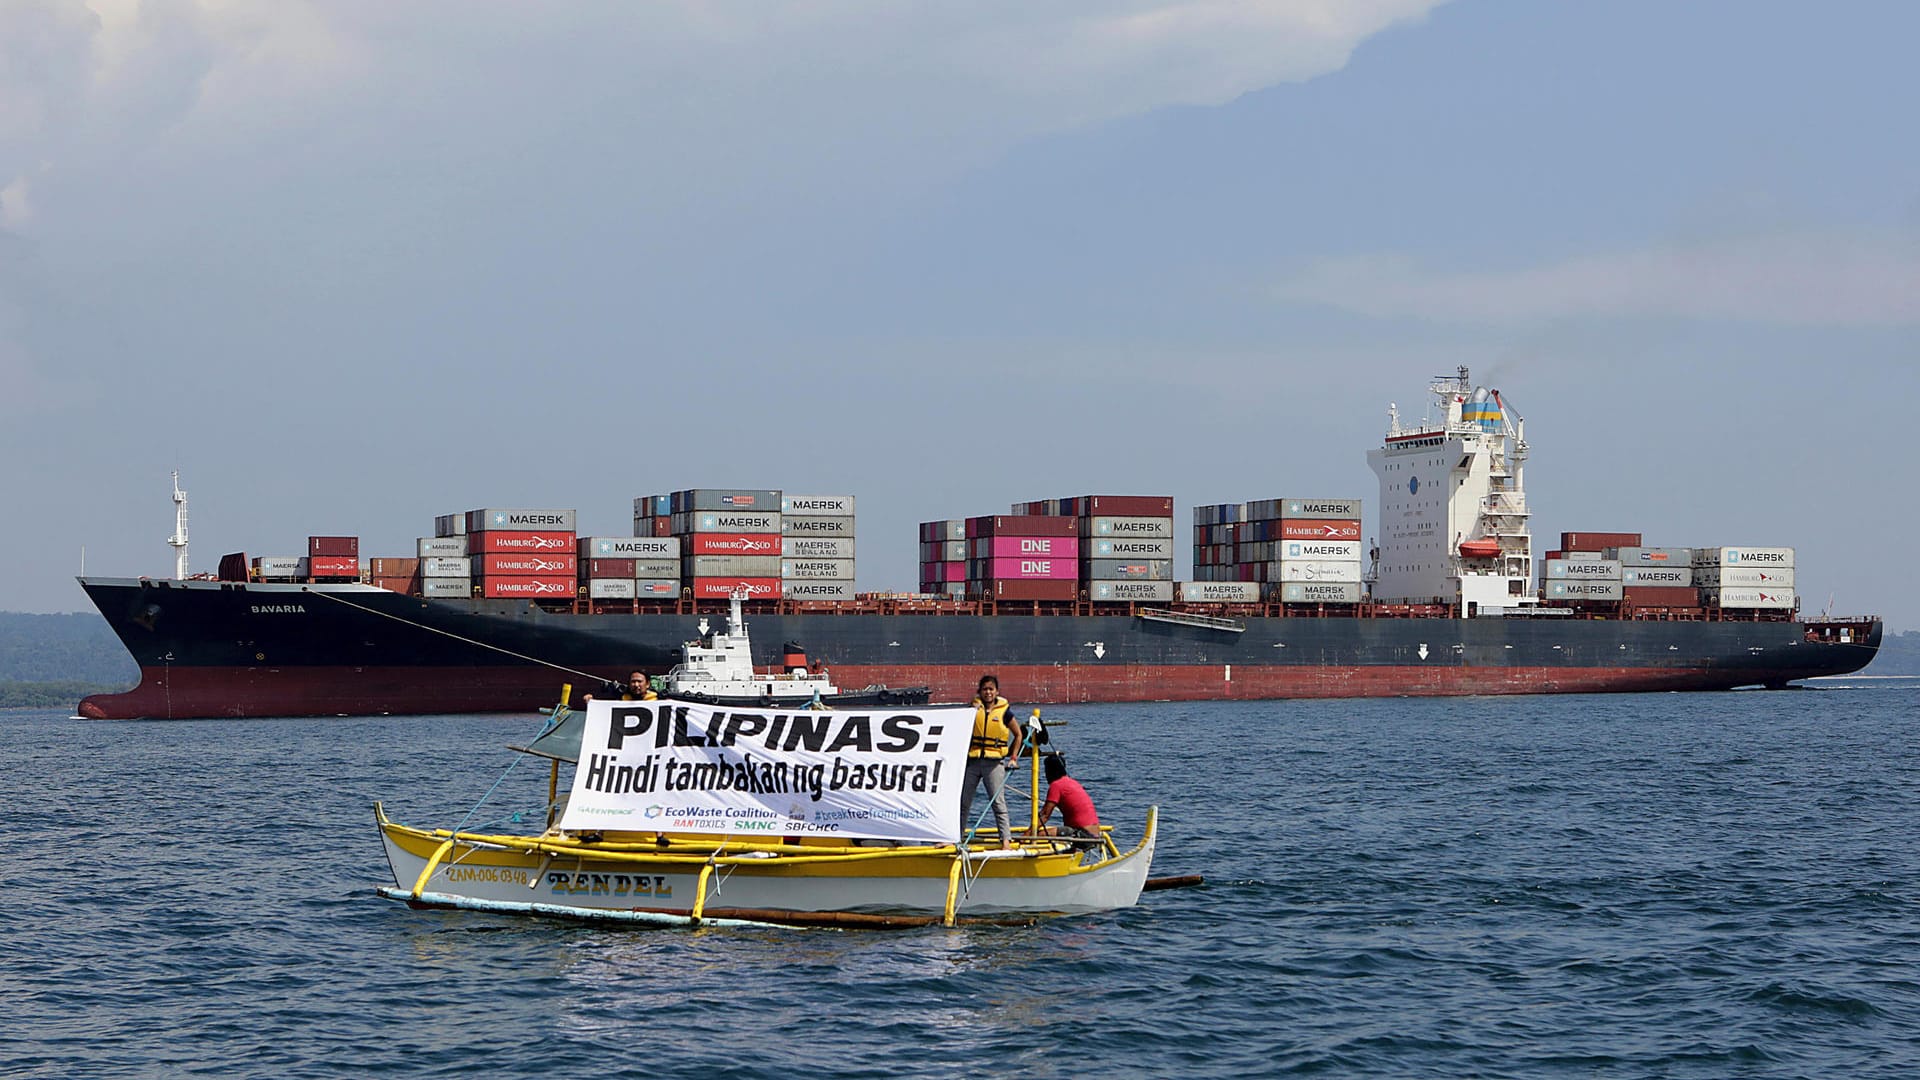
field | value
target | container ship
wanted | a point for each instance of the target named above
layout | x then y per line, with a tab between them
1067	600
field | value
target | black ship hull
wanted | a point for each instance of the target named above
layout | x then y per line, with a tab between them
214	649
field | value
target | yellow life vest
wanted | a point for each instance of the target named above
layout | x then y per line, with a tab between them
992	737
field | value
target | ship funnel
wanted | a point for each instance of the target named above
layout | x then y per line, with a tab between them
794	657
1483	408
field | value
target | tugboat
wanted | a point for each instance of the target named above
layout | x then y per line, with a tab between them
718	669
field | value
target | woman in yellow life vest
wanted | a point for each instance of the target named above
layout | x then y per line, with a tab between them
994	749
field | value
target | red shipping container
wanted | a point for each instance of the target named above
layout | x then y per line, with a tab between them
389	567
1597	541
514	588
608	568
531	565
722	588
1022	525
483	543
1292	529
731	544
401	584
1124	506
1030	590
348	546
333	566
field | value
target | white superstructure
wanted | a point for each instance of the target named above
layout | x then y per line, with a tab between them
1453	506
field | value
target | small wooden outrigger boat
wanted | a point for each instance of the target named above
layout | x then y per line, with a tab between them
839	818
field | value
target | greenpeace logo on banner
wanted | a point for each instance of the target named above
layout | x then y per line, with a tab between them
892	775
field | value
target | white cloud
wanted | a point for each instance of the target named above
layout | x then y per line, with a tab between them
87	88
1785	279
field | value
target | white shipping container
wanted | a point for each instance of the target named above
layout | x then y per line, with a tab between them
1320	509
1778	557
1747	598
656	568
727	521
446	587
519	521
610	589
1126	527
280	566
1126	570
445	525
816	590
1324	550
1681	575
633	547
1304	570
1124	548
1585	590
446	566
1745	577
1132	592
1650	556
1220	592
657	588
432	547
831	547
815	526
818	505
816	569
1320	592
1583	569
699	566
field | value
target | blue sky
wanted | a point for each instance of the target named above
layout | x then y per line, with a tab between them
350	265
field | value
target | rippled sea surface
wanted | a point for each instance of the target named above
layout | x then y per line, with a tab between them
1723	885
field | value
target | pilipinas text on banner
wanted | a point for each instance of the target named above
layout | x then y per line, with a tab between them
672	766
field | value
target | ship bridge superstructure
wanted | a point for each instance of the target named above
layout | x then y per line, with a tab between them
1453	525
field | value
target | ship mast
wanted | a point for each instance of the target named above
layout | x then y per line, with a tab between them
178	541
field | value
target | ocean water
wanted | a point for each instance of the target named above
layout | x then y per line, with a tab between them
1714	885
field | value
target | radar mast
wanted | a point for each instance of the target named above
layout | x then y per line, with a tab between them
178	541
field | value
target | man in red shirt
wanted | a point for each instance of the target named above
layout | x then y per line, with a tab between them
1076	806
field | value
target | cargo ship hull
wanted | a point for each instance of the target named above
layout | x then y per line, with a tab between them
229	649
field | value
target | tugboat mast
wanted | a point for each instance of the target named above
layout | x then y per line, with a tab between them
178	541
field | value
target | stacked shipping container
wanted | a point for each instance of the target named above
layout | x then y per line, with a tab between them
1125	544
1746	578
730	540
943	557
629	567
1298	551
817	553
522	554
445	569
1603	569
1023	557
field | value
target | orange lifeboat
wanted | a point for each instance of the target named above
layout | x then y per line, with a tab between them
1479	549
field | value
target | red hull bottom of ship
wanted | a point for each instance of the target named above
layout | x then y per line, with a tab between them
191	693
